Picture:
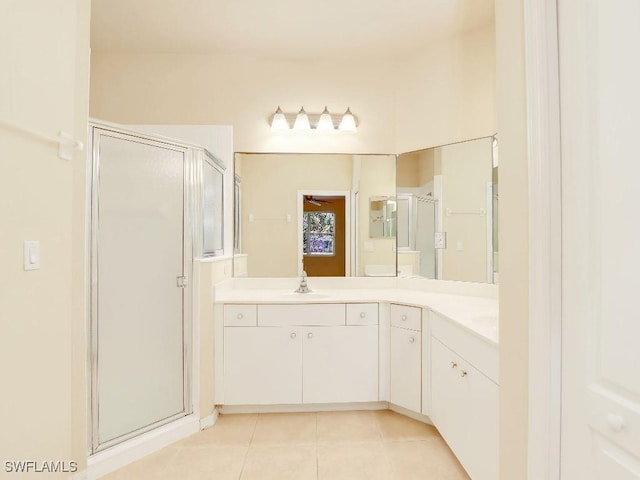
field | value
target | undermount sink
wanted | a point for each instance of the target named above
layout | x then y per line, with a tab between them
303	296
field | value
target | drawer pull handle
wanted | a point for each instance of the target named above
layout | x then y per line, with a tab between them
362	314
293	335
453	365
403	318
309	335
411	339
240	316
616	422
463	373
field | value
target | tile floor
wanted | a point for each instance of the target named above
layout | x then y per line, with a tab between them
367	445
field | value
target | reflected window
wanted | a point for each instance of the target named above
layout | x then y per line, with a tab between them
319	233
212	206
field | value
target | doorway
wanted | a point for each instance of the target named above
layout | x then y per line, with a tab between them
324	233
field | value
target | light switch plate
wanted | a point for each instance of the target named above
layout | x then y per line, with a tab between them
31	255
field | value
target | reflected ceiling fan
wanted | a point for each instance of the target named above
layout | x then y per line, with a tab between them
315	200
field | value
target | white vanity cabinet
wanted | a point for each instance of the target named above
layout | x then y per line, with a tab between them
262	365
304	353
340	364
464	396
405	369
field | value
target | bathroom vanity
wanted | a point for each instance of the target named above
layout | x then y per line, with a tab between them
304	353
433	356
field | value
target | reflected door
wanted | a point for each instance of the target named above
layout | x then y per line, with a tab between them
425	236
324	236
138	263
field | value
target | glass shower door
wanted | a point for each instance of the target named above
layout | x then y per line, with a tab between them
425	235
138	271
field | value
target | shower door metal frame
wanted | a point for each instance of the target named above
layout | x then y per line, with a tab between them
189	236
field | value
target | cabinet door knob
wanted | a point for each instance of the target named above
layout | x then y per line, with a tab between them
453	365
309	335
404	317
362	314
411	339
240	316
463	373
616	422
293	335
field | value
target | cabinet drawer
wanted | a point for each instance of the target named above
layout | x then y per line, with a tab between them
240	315
317	314
403	316
362	314
480	353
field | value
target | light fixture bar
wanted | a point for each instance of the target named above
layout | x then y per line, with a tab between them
281	117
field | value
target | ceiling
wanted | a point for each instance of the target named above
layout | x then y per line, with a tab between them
282	29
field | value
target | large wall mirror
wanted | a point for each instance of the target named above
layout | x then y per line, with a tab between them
446	210
313	212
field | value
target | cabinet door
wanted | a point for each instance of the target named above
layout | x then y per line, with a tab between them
340	364
448	392
464	409
406	368
482	406
262	365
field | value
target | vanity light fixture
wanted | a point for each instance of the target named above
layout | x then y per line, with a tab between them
281	121
302	121
348	122
325	122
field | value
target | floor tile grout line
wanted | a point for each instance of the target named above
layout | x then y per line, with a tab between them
246	454
317	466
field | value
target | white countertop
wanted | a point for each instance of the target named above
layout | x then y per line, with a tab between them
479	315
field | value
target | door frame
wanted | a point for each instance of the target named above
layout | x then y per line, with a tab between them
545	238
347	224
190	205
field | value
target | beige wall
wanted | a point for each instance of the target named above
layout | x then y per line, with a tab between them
208	273
513	234
426	166
408	172
244	92
466	169
416	169
377	178
42	342
270	185
448	93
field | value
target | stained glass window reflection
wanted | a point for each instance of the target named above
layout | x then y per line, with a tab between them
319	233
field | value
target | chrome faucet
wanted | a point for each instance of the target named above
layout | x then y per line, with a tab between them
303	288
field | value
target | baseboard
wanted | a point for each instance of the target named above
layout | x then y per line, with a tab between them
305	407
210	420
410	413
124	453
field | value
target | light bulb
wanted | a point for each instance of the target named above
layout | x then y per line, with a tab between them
348	122
302	121
325	122
279	122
